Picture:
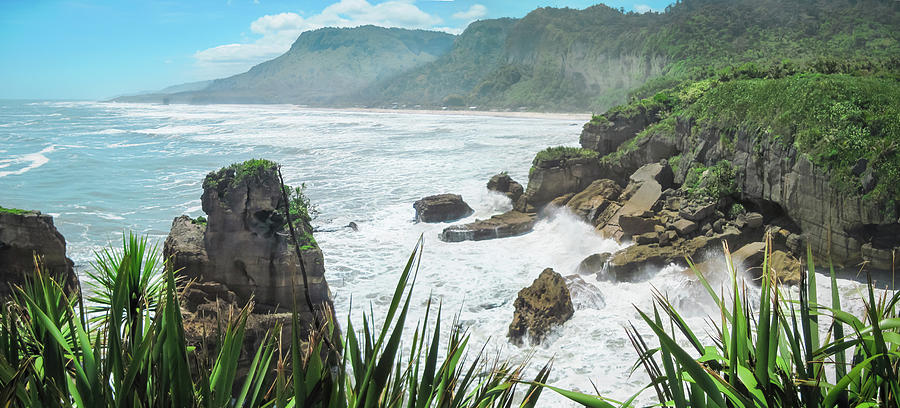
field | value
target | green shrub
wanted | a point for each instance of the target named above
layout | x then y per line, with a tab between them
562	153
13	211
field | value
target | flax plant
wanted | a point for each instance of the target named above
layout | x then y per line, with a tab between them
771	356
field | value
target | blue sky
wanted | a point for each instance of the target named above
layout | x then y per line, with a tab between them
94	49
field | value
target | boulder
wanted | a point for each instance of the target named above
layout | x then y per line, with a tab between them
441	208
751	255
642	192
593	264
593	200
698	212
788	269
499	226
637	224
684	227
754	220
24	234
504	184
540	307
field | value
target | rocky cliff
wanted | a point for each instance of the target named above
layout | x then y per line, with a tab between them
24	234
244	245
816	173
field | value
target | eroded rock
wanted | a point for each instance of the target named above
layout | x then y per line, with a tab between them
504	184
540	307
442	208
499	226
22	235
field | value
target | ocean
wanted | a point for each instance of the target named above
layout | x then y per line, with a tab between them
104	168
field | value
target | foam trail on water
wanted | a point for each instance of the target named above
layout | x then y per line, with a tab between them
33	160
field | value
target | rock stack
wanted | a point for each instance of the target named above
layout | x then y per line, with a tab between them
24	234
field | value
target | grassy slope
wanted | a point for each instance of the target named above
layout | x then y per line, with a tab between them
565	59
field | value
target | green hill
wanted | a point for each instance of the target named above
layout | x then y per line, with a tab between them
591	59
323	66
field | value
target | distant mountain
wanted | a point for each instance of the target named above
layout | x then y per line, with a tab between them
563	59
322	67
592	59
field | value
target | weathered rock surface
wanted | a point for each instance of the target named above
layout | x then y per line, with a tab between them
644	190
552	179
22	236
503	183
245	245
540	307
591	202
593	264
442	208
605	137
499	226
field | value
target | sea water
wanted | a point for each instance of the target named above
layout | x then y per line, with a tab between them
104	168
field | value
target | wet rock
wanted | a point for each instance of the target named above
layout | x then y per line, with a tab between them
442	208
549	180
645	239
504	184
594	200
352	225
685	227
562	200
593	263
751	255
21	237
795	244
643	191
637	224
499	226
540	307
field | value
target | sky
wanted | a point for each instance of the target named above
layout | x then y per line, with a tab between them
97	49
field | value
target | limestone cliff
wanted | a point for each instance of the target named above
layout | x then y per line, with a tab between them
24	234
244	244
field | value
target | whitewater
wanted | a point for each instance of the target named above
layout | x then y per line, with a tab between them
104	168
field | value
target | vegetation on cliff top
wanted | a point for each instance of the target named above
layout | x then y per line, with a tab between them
561	154
847	124
14	211
566	59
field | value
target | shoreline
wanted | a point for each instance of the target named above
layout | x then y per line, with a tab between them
586	117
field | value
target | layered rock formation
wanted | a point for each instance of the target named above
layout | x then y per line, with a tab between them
540	307
504	184
24	234
441	208
782	188
243	253
504	225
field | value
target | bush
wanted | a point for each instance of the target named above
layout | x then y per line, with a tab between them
561	153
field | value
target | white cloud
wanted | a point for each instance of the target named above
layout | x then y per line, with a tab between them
473	13
642	8
279	31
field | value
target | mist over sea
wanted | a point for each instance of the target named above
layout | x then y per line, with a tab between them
104	168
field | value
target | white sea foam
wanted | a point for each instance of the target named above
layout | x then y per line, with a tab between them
367	168
29	161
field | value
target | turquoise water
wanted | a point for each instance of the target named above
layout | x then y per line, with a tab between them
101	169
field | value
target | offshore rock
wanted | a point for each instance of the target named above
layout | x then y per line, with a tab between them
245	245
441	208
21	237
540	307
499	226
504	184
